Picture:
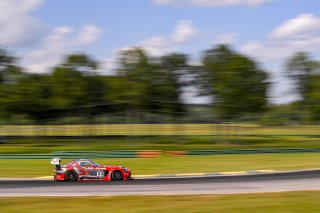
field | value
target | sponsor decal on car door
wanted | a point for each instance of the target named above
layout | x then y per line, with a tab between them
96	172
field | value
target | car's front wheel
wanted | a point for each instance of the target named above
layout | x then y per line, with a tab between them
71	176
116	175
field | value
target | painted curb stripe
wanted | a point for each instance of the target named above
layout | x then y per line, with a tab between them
182	174
190	174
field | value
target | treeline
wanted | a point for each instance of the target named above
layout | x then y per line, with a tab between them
305	73
237	84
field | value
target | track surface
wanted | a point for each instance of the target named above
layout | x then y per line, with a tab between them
289	181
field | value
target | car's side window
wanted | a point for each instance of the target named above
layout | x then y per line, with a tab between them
84	164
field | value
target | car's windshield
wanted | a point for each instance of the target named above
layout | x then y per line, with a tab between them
87	163
94	163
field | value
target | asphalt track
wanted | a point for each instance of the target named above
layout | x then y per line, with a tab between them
222	184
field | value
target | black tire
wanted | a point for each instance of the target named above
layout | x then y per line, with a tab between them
116	175
71	176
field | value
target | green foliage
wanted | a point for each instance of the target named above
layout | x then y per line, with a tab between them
306	74
312	98
300	68
283	115
283	202
10	75
182	164
6	60
67	88
236	82
80	62
151	86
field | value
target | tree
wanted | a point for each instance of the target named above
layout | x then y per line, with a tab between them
68	88
304	71
174	71
73	87
10	75
75	82
300	67
95	89
6	61
237	84
311	104
152	84
163	92
282	115
80	62
135	68
30	97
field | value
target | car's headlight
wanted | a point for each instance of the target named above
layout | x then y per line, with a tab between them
125	169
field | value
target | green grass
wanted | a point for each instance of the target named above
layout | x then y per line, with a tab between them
48	145
171	165
156	129
287	202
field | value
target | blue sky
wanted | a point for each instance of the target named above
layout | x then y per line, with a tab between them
40	32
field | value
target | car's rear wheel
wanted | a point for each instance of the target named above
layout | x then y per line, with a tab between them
116	175
71	176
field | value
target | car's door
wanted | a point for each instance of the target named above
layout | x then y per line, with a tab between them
93	170
89	167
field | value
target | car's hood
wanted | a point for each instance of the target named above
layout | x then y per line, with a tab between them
112	167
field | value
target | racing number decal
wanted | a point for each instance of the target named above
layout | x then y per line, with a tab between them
100	173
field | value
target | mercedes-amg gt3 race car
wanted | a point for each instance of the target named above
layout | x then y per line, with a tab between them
85	169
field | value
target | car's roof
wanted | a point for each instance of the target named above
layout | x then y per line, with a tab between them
83	160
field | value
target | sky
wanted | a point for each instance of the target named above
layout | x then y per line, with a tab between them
41	32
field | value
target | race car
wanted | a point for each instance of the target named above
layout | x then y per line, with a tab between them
85	169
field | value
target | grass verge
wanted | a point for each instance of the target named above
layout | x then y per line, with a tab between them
48	145
304	201
172	165
156	129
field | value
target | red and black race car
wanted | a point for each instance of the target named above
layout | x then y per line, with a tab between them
85	169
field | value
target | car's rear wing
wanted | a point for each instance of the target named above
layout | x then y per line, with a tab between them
55	161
